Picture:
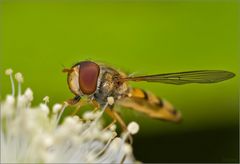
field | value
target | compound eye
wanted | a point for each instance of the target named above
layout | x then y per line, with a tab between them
88	77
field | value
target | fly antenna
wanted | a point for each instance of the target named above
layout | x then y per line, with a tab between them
67	70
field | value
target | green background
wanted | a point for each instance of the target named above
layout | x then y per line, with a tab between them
40	38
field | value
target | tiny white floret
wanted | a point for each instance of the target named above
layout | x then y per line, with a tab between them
116	143
89	115
48	141
10	100
19	77
44	108
106	135
127	148
70	121
76	118
29	94
46	99
113	127
133	127
8	71
110	100
56	108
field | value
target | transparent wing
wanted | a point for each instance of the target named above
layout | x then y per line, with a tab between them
179	78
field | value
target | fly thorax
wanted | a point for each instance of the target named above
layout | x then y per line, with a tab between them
122	89
107	83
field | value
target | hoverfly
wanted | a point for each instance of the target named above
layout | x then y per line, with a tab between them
98	82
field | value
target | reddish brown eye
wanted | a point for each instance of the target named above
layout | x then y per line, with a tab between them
88	77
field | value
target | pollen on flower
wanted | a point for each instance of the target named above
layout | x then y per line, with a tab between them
34	134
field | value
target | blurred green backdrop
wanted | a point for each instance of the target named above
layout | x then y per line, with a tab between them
38	38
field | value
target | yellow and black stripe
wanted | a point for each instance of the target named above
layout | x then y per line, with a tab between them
151	105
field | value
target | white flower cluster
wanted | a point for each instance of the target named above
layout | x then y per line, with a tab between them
34	135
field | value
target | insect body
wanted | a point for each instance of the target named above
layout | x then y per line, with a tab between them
98	82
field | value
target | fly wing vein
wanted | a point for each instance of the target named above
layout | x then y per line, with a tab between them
203	76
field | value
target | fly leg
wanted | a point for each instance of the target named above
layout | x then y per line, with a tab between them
116	117
112	123
74	101
96	105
